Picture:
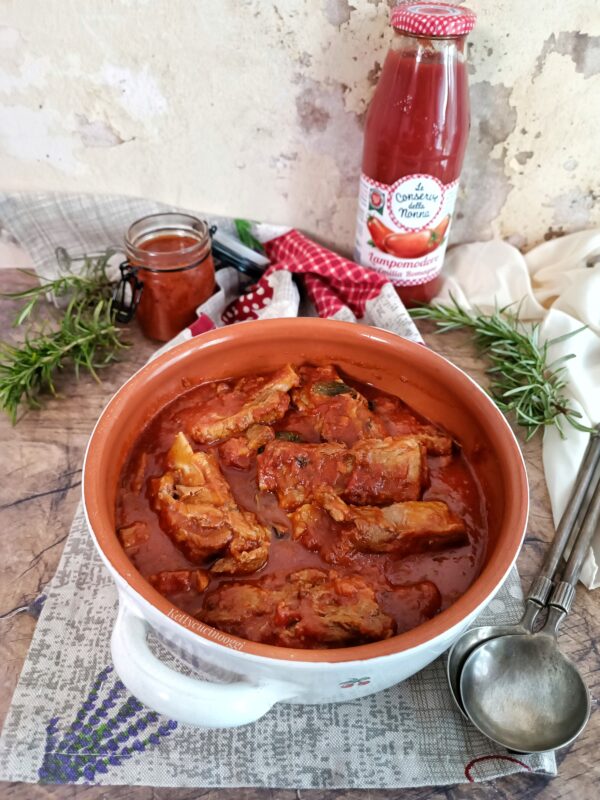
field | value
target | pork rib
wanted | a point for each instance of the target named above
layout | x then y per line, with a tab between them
401	528
255	400
374	471
310	608
198	512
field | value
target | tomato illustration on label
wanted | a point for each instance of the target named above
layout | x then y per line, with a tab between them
379	232
441	229
407	245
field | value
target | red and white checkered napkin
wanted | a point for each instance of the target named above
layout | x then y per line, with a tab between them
337	288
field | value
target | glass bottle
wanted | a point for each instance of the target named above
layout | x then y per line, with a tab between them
416	134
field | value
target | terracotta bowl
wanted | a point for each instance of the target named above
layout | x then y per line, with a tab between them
257	676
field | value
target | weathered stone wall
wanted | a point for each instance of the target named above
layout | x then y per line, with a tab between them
256	108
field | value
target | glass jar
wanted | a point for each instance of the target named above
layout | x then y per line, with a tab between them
416	134
170	271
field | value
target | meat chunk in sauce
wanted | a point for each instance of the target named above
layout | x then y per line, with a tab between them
399	420
298	472
338	412
372	471
401	528
251	400
310	609
240	450
386	470
181	580
132	537
197	510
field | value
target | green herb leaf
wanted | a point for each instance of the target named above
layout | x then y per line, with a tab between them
523	383
288	436
85	337
245	235
332	388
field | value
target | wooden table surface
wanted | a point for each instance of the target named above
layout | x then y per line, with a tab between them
41	462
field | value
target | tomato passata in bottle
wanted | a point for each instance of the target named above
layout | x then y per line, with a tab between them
415	138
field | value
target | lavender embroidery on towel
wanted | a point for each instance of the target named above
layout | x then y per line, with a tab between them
99	738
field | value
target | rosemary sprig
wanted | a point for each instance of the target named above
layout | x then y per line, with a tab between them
88	341
523	382
86	336
87	287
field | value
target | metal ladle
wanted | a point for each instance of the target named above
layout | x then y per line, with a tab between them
541	587
520	690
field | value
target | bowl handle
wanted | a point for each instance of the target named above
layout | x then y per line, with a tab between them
179	697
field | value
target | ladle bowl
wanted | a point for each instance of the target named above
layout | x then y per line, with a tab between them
520	690
523	693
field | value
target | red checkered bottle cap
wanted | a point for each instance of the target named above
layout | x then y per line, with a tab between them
437	20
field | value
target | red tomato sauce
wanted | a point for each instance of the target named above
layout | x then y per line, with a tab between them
171	244
452	480
408	128
177	278
417	124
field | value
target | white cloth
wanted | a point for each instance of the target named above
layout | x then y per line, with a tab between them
557	283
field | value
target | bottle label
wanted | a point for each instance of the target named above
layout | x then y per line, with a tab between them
402	229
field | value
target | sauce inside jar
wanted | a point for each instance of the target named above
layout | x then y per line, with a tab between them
171	244
172	255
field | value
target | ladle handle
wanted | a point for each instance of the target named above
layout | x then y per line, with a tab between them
564	592
542	585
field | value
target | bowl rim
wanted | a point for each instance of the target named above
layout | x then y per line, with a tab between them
482	588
